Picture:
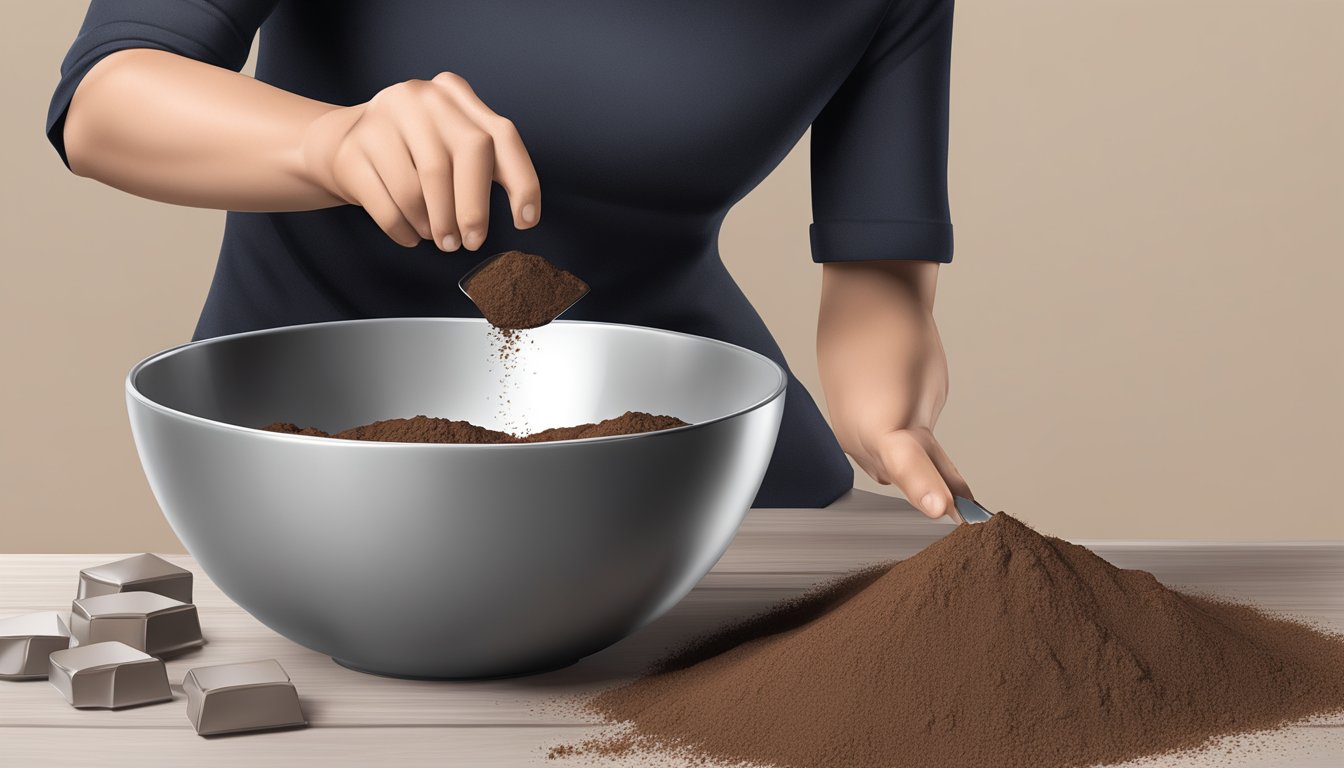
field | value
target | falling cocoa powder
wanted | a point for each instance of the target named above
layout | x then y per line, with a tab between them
995	646
517	290
425	429
506	356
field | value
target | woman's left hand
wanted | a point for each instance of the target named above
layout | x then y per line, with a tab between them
885	376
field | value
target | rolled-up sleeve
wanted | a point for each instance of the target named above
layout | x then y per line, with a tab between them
879	146
217	32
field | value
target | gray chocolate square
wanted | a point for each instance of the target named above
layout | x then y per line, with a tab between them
253	696
109	675
27	640
146	621
141	573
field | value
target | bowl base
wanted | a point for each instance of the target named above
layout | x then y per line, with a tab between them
525	673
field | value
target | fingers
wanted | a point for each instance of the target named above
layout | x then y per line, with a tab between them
951	475
906	461
392	159
471	154
872	470
434	171
422	157
366	186
473	160
514	172
512	166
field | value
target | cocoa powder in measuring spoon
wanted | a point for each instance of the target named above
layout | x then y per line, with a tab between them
517	290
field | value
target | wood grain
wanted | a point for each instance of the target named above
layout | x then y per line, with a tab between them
360	719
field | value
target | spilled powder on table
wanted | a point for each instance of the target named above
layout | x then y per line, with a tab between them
995	646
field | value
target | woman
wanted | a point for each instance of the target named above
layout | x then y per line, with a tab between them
382	143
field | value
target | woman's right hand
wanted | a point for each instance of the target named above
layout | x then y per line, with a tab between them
420	157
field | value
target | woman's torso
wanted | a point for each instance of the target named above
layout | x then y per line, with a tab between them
646	122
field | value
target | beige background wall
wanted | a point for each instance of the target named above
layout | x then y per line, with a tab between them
1143	317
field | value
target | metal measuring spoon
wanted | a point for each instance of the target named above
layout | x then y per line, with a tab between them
971	511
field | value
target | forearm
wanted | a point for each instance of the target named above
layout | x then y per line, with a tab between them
173	129
875	336
885	375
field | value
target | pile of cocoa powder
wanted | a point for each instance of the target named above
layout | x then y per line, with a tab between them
517	290
426	429
996	646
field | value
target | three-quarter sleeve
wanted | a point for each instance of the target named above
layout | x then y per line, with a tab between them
217	32
879	146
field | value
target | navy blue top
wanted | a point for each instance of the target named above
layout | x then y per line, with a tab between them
646	122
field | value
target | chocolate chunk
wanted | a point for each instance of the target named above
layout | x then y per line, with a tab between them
108	675
26	641
146	621
252	696
141	573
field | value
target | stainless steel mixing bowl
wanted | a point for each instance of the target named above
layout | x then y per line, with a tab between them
453	561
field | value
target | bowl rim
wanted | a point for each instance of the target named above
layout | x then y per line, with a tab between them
135	394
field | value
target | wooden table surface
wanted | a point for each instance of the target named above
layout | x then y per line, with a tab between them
363	720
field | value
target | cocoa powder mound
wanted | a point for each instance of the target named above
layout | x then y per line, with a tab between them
995	646
421	429
294	429
629	423
519	290
426	429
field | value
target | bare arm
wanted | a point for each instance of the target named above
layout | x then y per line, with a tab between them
174	129
419	157
885	376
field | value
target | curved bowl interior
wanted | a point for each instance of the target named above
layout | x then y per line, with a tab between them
338	375
454	560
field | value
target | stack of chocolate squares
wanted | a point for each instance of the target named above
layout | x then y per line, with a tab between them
126	617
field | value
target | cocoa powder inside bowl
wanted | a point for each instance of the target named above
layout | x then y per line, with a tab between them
996	646
517	290
426	429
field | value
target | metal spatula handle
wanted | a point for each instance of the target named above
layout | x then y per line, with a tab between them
971	511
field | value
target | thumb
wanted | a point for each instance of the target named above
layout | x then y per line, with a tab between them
908	464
